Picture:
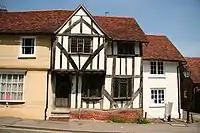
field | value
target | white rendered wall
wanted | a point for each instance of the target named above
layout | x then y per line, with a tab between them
168	81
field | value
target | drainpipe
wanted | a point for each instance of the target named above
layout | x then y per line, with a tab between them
178	84
48	72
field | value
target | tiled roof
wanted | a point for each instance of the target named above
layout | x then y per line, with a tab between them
161	48
193	65
118	28
121	28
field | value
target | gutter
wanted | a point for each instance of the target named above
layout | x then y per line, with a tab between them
47	91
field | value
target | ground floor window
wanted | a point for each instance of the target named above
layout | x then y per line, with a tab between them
92	85
158	96
11	87
122	88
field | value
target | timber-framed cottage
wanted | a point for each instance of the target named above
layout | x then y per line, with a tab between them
68	63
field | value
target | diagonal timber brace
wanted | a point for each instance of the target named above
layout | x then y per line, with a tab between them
109	97
91	57
71	61
133	97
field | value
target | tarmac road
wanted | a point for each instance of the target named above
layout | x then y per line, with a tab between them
13	130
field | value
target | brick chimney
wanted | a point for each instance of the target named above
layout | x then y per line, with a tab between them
3	9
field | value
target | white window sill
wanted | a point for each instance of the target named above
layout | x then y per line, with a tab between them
157	106
157	76
27	57
12	101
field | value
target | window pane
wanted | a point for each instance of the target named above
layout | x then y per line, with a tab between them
3	87
74	44
2	95
14	87
153	67
27	50
19	96
9	89
87	45
15	78
160	68
4	78
9	78
80	47
21	78
28	42
124	48
8	96
123	89
14	96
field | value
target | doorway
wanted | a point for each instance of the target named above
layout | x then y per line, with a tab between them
63	90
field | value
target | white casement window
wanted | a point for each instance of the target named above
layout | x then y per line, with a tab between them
156	67
11	87
80	44
157	96
28	46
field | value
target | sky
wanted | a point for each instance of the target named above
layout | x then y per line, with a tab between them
179	20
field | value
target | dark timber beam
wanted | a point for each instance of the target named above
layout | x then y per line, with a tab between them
113	74
54	54
71	61
72	26
109	97
91	57
91	27
133	98
80	35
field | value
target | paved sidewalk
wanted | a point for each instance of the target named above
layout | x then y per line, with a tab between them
96	127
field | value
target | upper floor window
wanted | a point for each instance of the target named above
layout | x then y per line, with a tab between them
81	44
156	67
125	49
11	86
28	45
122	88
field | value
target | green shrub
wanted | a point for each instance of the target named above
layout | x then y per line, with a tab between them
142	121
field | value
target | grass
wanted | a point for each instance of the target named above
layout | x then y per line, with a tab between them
116	119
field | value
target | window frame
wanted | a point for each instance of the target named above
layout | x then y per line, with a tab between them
156	68
119	92
153	104
24	80
77	37
88	90
128	45
21	43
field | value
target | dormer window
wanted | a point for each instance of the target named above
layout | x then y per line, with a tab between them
125	49
80	45
28	46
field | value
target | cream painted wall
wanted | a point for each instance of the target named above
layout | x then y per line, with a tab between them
34	98
10	51
167	81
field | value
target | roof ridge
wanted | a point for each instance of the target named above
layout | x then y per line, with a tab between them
116	16
193	57
157	35
46	10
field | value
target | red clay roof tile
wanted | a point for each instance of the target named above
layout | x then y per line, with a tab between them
49	21
160	47
193	65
